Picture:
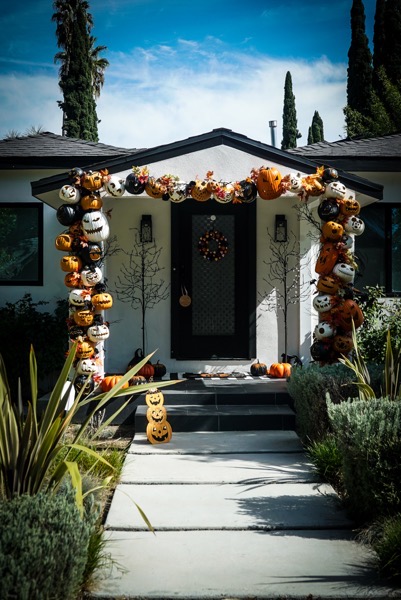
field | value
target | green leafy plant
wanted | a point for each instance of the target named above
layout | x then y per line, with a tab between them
43	546
381	314
327	460
30	444
391	387
387	545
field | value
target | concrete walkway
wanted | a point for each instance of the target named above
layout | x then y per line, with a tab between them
236	515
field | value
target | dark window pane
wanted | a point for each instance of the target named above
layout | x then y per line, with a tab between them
396	248
370	247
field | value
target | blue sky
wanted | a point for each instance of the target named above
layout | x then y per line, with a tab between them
182	67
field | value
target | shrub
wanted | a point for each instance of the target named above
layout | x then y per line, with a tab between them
43	547
307	387
327	460
380	316
369	437
24	322
387	545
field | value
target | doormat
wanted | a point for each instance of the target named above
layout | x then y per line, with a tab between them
235	375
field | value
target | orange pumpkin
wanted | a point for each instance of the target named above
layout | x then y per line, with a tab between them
64	242
327	259
110	381
159	433
157	414
71	263
269	183
280	370
84	350
147	371
91	202
154	398
73	280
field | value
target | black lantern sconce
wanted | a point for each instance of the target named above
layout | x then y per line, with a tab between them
146	233
280	229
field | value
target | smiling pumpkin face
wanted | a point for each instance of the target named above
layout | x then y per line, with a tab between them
332	231
327	259
269	183
159	433
157	414
154	398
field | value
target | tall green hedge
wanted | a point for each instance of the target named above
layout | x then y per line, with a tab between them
43	547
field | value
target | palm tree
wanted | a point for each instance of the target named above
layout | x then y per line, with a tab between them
98	64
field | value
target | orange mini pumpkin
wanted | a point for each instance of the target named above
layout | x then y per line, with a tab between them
327	284
85	350
64	242
71	263
73	280
155	188
269	183
110	381
332	231
154	398
158	414
280	370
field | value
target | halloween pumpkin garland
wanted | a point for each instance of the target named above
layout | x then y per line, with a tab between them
335	300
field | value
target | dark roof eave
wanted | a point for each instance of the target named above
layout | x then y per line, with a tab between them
204	141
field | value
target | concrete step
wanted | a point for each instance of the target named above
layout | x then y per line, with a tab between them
192	417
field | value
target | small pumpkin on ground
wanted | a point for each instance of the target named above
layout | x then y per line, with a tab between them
159	370
147	370
258	368
159	433
280	370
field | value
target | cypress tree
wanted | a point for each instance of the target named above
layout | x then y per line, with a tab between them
391	59
315	131
74	24
379	37
359	82
290	126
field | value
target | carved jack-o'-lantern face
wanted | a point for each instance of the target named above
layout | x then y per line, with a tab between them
327	285
328	209
92	202
85	350
225	193
322	302
95	226
332	231
102	301
78	297
159	433
350	207
354	225
69	194
335	189
90	277
158	414
269	183
178	192
115	186
201	190
324	330
134	185
349	311
93	180
343	344
345	272
98	333
155	188
154	398
83	317
71	263
82	381
86	366
327	259
347	241
73	280
295	183
75	332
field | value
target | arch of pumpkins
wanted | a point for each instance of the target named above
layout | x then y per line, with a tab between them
86	230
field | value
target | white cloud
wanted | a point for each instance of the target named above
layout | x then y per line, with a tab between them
165	94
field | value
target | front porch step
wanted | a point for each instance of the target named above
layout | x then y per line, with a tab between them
223	418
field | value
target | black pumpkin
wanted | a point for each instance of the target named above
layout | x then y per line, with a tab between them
133	185
258	368
320	352
328	210
329	174
79	383
160	370
67	214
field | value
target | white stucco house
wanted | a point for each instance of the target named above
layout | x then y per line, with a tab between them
231	319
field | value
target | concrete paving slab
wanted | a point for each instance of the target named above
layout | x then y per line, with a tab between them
217	468
208	565
237	506
225	442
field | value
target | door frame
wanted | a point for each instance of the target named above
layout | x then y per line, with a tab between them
246	265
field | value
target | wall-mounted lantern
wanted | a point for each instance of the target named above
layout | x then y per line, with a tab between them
146	229
280	229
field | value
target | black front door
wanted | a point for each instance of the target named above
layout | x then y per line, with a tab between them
219	323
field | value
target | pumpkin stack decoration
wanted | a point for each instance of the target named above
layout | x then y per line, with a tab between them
336	267
158	429
82	244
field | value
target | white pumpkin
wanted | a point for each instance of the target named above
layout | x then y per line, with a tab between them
115	186
70	194
324	330
345	272
91	277
322	302
95	226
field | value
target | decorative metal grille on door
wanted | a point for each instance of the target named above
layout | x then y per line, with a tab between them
213	282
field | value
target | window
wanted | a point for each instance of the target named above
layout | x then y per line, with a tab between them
21	243
378	249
